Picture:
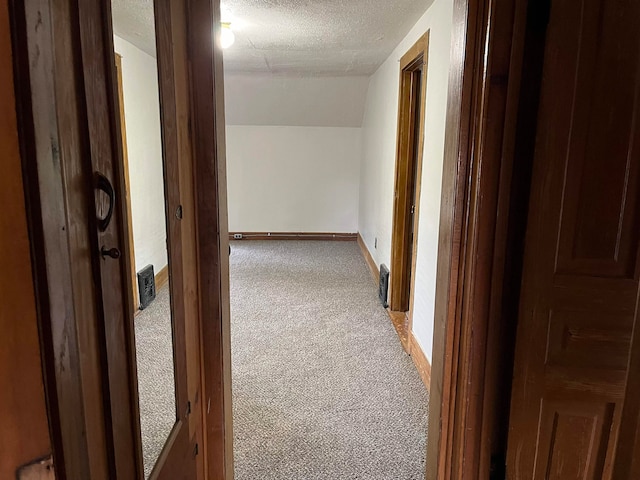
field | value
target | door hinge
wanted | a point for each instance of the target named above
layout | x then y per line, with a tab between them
188	412
179	212
413	209
195	450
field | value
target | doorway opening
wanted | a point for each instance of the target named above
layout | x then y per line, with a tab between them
309	334
410	145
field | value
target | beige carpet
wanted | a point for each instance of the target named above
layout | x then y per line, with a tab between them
321	386
156	386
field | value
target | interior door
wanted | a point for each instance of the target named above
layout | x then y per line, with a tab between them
581	269
68	107
150	345
167	435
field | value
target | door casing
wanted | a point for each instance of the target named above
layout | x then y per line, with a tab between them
485	197
408	180
485	192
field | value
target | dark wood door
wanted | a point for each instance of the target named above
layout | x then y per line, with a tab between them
178	457
177	460
581	269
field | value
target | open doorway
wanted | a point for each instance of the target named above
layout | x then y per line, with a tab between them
408	180
315	358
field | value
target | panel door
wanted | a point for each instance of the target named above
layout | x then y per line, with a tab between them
580	280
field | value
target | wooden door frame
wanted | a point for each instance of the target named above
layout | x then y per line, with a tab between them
127	181
207	90
408	161
480	241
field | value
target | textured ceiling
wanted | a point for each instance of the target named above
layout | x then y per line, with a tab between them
305	37
133	21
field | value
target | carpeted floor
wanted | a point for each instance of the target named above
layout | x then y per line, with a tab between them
321	386
156	387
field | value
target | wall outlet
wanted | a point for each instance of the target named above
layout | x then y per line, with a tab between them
375	243
237	236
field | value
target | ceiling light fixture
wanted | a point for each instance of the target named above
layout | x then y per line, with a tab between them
226	35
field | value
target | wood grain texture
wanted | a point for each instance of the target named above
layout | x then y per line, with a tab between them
24	435
112	276
50	118
459	431
373	268
338	237
409	152
420	361
178	459
208	125
190	280
581	273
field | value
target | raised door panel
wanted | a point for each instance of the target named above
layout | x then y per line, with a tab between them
573	440
580	279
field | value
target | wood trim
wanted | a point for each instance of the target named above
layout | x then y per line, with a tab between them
208	130
162	277
373	268
127	182
400	323
338	237
474	281
420	361
175	33
422	44
407	174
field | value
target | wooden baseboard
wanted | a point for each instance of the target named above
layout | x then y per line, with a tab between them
399	321
373	268
162	277
338	237
420	361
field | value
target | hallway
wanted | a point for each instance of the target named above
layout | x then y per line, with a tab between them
321	386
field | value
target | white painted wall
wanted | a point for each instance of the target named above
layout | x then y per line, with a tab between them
378	164
262	99
293	152
144	146
293	179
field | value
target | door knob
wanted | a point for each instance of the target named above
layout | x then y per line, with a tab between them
110	252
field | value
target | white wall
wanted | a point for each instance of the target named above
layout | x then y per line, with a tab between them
293	152
378	164
262	99
293	179
144	147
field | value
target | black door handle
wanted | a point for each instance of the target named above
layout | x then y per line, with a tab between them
103	183
110	252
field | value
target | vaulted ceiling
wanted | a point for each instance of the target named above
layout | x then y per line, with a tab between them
301	37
